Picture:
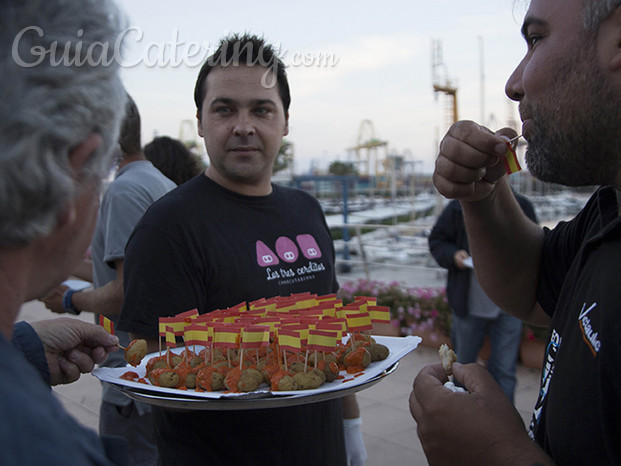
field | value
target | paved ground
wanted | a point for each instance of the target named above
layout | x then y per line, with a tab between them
389	430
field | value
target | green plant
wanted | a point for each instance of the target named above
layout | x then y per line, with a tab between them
413	309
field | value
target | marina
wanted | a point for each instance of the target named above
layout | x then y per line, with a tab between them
377	247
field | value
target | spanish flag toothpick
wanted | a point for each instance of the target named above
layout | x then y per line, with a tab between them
107	324
512	165
171	341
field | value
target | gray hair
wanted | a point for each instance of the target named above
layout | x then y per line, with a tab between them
596	11
59	85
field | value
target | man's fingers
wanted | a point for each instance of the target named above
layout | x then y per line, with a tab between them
81	360
69	372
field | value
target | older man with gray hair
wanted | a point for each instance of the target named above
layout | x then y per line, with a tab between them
61	102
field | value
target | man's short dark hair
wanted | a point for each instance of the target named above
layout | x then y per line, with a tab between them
129	138
248	50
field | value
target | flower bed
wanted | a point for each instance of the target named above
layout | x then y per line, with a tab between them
422	311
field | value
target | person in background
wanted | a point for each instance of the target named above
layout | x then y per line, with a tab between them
216	241
173	159
568	87
136	186
58	127
475	316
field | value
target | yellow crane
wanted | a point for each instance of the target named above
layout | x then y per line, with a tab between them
368	148
442	83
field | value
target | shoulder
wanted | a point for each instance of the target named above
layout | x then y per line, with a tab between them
294	195
600	210
142	175
176	202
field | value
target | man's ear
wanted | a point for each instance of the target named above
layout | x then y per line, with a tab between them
199	126
286	131
615	23
79	154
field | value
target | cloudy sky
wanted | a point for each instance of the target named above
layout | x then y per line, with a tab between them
347	62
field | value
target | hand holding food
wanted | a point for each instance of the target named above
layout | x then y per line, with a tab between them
472	428
73	347
471	161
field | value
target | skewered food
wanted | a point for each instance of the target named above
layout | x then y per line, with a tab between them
214	370
136	351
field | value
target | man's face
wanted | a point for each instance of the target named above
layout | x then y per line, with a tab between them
568	106
243	123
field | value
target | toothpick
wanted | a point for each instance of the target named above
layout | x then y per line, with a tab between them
515	138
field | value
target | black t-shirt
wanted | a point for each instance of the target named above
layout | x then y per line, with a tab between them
577	414
202	246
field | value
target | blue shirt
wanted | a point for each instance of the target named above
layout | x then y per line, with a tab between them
35	428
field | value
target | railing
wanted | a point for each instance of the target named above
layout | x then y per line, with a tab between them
402	247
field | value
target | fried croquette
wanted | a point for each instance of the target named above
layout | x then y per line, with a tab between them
309	380
359	358
136	351
249	380
378	351
208	378
168	378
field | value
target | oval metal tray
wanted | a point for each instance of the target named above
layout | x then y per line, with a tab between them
254	400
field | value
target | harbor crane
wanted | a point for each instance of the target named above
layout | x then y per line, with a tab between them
368	148
442	83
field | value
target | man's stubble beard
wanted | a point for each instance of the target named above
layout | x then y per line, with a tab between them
577	140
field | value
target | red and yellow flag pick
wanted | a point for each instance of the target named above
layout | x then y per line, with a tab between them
380	314
289	340
107	324
171	342
226	335
196	335
255	336
322	340
512	165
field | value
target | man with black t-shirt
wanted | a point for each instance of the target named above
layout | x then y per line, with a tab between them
569	89
232	236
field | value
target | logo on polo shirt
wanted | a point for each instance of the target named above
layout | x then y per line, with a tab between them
589	334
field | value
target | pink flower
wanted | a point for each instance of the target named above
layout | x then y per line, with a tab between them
530	335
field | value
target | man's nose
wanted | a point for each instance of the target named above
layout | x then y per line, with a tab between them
244	125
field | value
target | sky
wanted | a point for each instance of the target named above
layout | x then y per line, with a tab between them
347	62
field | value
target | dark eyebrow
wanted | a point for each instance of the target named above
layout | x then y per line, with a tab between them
221	100
528	22
229	101
264	102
